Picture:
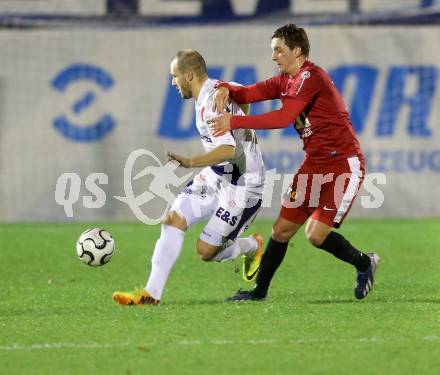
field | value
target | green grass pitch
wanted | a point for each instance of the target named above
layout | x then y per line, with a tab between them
57	315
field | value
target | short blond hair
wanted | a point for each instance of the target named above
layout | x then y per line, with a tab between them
189	59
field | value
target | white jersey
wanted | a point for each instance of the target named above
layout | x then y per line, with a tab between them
248	161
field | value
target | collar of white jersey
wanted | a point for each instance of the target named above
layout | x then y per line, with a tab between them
207	85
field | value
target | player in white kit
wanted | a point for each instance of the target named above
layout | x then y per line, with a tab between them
227	191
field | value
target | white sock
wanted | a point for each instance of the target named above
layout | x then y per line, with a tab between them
166	252
235	248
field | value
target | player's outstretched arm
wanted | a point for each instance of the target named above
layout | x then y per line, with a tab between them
277	119
268	89
217	155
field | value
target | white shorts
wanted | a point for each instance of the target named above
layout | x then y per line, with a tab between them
229	208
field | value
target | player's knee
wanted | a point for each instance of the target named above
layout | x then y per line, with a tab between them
316	239
279	234
175	220
205	251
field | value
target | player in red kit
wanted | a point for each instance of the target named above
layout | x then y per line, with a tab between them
327	182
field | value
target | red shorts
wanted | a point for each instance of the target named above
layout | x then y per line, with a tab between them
324	191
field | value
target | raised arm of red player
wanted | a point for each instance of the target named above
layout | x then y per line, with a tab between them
278	119
272	120
265	90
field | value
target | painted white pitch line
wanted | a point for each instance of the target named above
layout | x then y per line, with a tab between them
214	342
60	345
305	341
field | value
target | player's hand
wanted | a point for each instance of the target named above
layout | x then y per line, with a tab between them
221	99
221	124
184	162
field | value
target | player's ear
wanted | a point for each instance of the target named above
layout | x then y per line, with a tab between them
190	75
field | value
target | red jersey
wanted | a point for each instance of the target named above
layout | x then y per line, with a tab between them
311	102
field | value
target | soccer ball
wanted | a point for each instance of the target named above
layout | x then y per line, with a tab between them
95	247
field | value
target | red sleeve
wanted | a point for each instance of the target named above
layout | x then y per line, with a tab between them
269	89
281	118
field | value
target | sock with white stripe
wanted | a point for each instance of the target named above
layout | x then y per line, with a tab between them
241	246
337	245
166	252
